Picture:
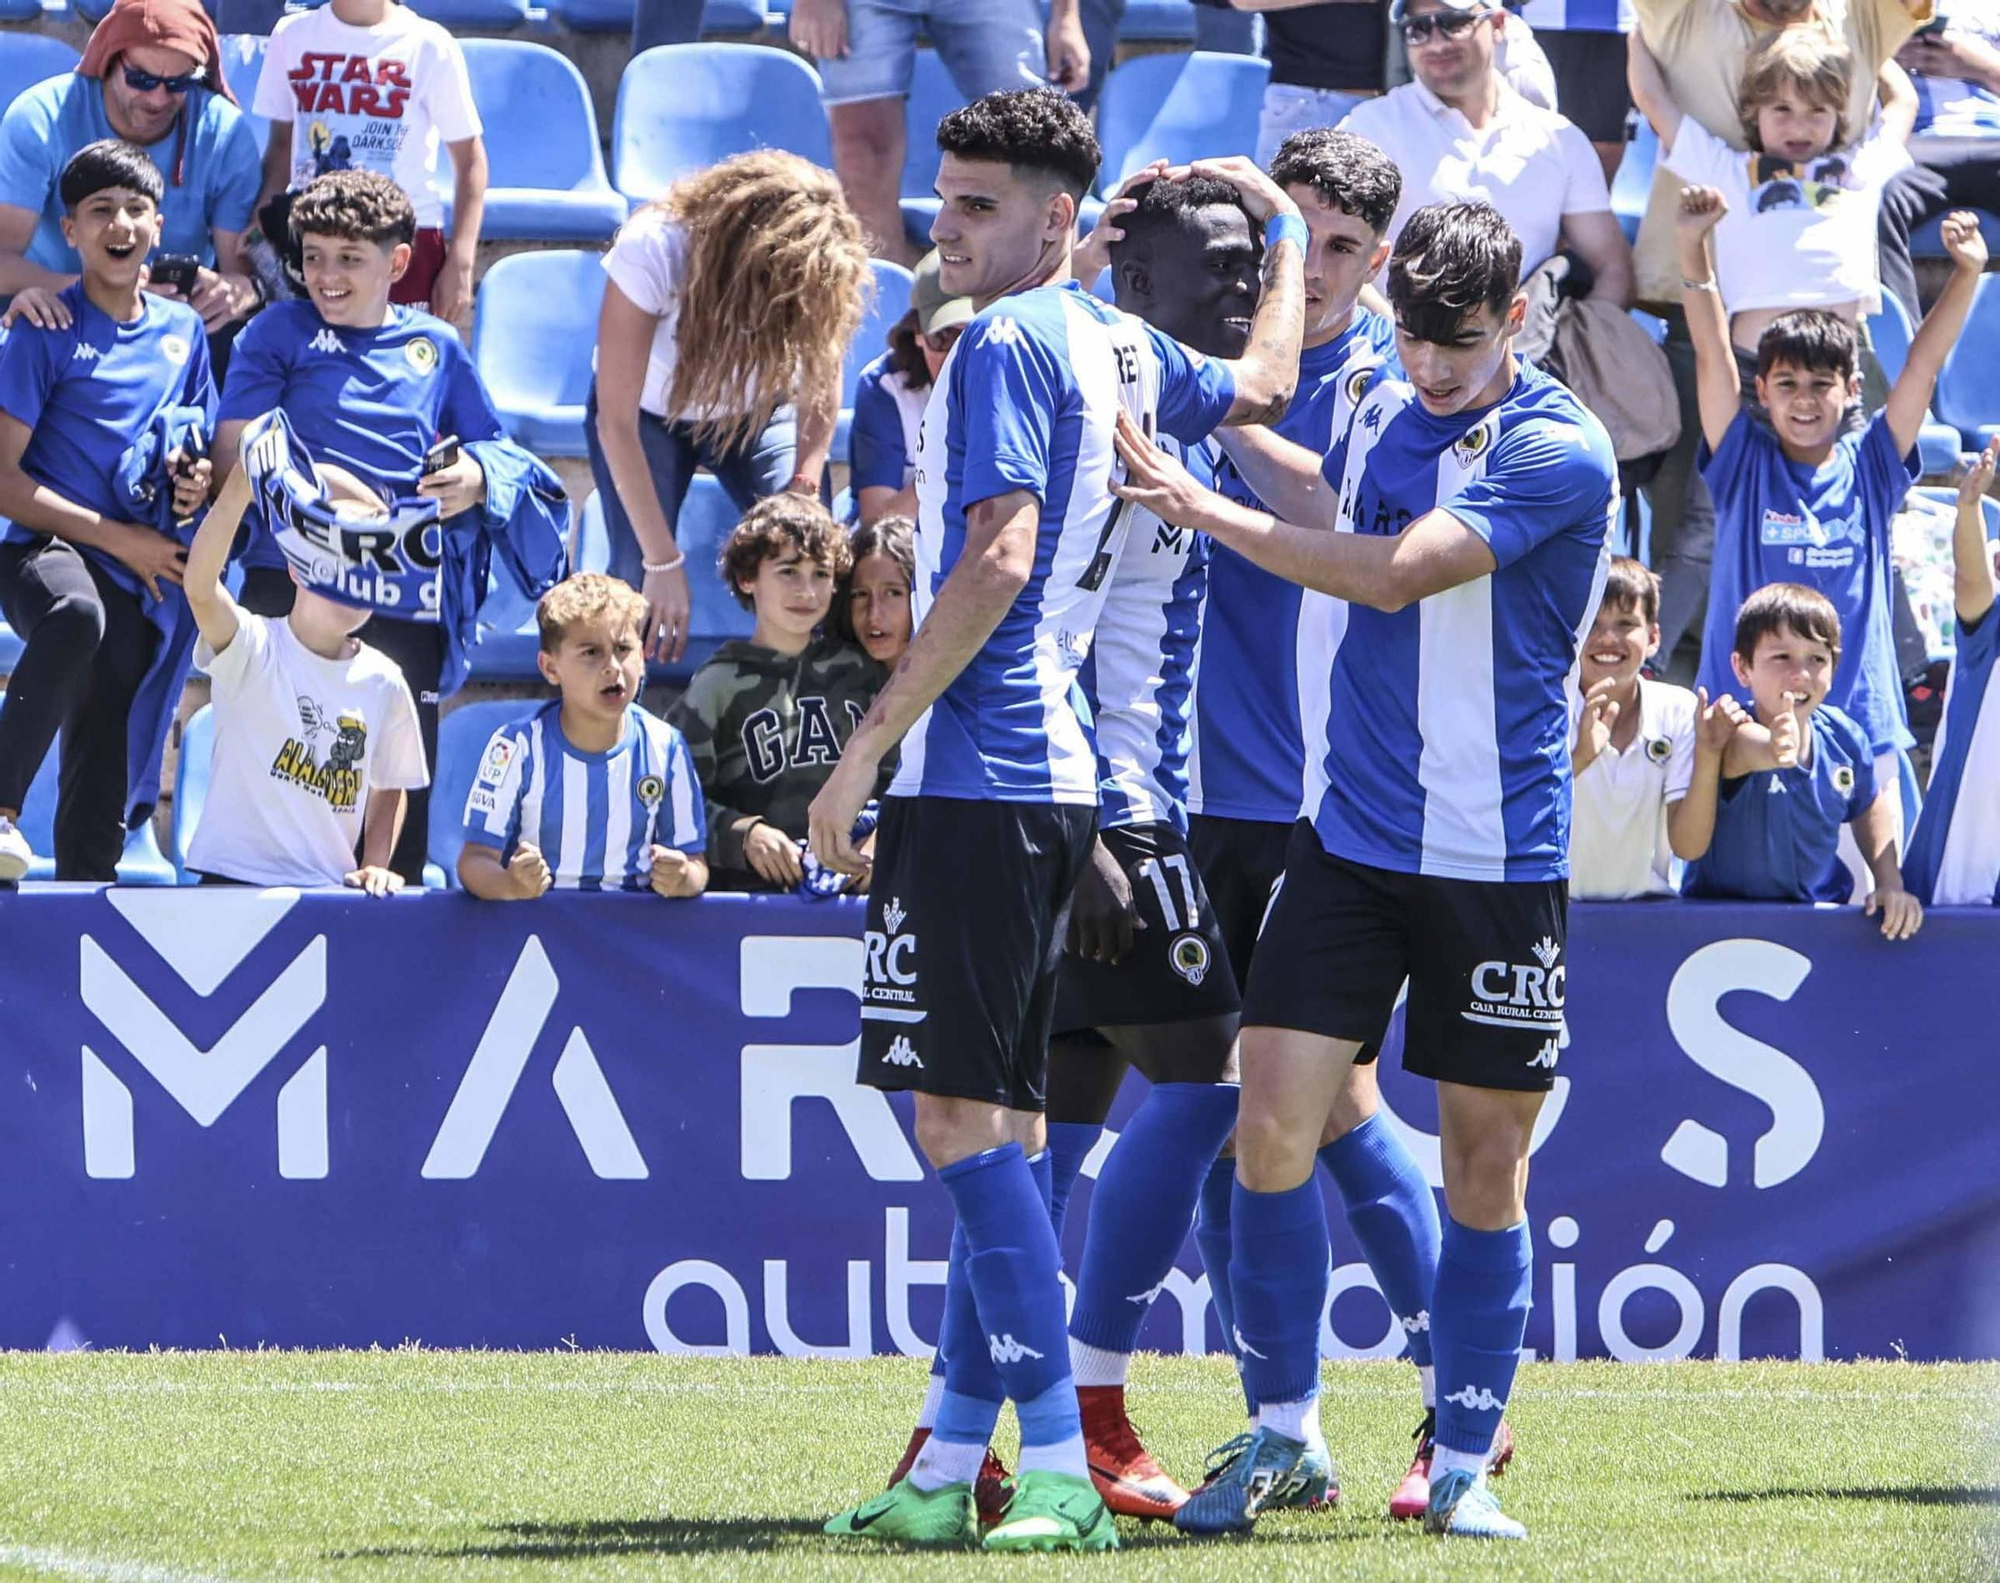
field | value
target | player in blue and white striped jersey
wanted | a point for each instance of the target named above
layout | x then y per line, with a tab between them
1266	660
1470	536
588	792
1954	854
991	816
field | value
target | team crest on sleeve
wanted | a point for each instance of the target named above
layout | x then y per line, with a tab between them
650	789
1189	957
421	354
175	349
1659	749
1357	382
1474	443
1843	779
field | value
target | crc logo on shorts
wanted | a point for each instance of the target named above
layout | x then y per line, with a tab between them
1526	996
889	964
1189	957
651	789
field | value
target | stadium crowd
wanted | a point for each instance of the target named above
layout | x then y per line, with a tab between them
240	434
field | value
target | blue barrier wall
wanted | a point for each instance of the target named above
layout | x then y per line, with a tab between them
320	1120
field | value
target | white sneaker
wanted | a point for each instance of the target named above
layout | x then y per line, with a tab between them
15	853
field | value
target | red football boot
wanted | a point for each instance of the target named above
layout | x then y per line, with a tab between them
991	1490
1414	1493
1131	1482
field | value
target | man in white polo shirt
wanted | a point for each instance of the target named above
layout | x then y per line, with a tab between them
1461	135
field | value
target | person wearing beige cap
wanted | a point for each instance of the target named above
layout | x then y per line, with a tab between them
152	76
890	396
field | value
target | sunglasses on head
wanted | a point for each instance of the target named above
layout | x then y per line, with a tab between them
145	82
1446	24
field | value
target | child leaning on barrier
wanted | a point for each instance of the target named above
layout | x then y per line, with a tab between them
588	792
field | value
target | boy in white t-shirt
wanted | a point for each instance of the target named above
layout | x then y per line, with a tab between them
1646	759
316	736
1800	231
371	85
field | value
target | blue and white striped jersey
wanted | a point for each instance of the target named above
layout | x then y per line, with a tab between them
1442	746
1027	401
1579	16
594	816
1954	852
1139	678
1247	761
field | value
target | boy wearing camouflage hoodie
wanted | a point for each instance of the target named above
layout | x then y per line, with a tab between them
766	718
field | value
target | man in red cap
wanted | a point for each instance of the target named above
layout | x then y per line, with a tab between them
151	75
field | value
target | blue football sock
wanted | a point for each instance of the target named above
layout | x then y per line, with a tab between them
1013	1268
1394	1216
1479	1313
1070	1143
1211	1238
973	1393
1144	1202
1278	1277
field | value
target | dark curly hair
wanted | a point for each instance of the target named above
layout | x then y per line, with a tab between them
1163	205
1451	260
1037	129
775	525
1346	171
355	205
894	537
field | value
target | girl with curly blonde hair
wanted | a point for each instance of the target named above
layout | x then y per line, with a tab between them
731	303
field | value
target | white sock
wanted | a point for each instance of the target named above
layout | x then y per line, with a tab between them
1299	1420
1429	1375
1445	1460
1061	1456
1090	1365
943	1462
933	1394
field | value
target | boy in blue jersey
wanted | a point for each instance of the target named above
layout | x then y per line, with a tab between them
1801	772
589	792
1467	530
1954	854
990	819
372	388
1799	501
87	585
1266	650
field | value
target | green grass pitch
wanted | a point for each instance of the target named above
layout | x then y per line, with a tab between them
415	1465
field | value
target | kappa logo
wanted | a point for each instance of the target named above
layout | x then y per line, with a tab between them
1146	1299
1004	331
901	1053
1479	1400
1420	1321
1244	1347
1546	951
326	341
1777	787
85	353
1546	1055
1006	1349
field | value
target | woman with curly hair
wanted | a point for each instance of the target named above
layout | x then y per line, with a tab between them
730	305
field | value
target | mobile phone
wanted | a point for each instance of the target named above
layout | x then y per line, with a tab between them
441	455
178	270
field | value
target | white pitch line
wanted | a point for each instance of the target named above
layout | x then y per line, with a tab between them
93	1569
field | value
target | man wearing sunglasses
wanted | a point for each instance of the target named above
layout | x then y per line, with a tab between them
1461	134
151	75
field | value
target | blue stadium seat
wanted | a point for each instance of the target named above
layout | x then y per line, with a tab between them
1927	241
1157	22
546	178
707	517
1179	107
10	649
1632	186
1989	508
20	10
615	16
242	65
456	14
592	549
534	326
682	107
1889	333
140	864
191	783
29	58
893	285
933	96
462	738
1968	391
